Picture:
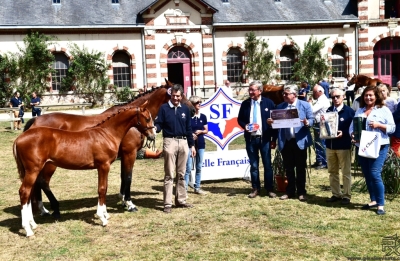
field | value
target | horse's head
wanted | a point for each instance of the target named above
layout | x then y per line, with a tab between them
145	122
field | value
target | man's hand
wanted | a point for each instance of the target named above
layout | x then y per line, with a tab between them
270	121
305	122
193	152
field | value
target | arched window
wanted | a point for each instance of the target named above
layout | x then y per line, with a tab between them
61	65
338	61
234	65
178	52
287	62
121	69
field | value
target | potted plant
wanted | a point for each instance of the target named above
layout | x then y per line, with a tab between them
279	172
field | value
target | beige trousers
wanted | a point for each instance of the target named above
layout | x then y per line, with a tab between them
175	158
342	159
17	124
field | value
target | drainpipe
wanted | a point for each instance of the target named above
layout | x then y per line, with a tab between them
215	66
144	60
357	47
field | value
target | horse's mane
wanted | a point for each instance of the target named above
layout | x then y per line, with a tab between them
143	96
120	110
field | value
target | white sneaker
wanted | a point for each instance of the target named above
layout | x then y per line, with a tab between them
200	192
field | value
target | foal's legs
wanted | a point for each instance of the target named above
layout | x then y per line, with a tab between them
43	182
102	172
28	223
127	163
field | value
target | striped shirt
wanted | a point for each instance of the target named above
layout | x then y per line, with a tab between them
381	115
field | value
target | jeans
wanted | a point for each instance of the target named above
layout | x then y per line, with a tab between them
189	165
253	146
320	152
372	169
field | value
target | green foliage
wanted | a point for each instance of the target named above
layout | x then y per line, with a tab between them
261	64
87	73
311	64
34	64
7	66
124	95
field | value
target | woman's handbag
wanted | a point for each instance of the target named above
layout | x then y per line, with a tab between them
370	144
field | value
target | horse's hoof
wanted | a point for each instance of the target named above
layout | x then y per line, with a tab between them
56	215
34	226
107	216
45	214
134	209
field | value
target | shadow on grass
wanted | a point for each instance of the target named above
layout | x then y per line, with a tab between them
321	201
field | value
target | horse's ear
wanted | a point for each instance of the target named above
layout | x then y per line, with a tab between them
168	83
144	105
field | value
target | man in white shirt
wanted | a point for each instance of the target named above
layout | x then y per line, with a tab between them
320	106
227	88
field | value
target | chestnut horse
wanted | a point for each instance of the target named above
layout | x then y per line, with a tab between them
92	148
274	93
131	143
362	80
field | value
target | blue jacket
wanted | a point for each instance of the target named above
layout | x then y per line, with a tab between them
266	105
325	85
175	124
302	133
346	115
396	117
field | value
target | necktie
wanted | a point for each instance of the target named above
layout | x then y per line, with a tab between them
289	131
255	112
334	109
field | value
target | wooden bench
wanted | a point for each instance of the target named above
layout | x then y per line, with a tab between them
45	107
11	118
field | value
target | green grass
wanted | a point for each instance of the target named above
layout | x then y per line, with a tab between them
224	225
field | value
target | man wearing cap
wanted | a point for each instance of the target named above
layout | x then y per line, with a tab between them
338	150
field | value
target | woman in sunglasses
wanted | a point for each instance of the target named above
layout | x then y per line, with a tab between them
199	128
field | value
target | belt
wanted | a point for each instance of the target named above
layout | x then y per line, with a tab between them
176	137
255	137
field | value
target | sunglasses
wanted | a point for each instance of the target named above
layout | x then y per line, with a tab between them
195	103
336	97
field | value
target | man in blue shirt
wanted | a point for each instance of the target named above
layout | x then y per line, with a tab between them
174	120
35	101
324	84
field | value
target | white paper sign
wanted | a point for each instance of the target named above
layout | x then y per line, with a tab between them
285	118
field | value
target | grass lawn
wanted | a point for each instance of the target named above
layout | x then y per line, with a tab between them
224	225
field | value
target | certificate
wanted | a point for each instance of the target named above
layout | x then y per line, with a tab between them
285	118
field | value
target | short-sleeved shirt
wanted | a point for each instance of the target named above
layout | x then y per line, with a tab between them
198	123
35	100
301	92
16	101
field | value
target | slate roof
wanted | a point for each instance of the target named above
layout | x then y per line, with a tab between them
286	11
103	14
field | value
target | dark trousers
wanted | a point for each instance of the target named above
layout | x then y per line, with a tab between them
295	161
349	95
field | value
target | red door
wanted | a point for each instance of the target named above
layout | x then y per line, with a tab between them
187	78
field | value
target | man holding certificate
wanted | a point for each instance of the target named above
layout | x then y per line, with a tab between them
293	143
253	115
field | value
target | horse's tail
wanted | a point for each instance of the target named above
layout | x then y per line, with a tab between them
29	123
20	166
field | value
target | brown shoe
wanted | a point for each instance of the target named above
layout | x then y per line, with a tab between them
167	210
302	198
253	194
271	194
184	205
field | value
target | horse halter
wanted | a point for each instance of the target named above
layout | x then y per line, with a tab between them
138	124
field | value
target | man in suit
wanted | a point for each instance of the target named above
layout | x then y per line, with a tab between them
293	143
256	110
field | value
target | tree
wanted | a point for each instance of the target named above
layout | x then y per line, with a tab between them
33	64
8	68
260	64
87	73
311	64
